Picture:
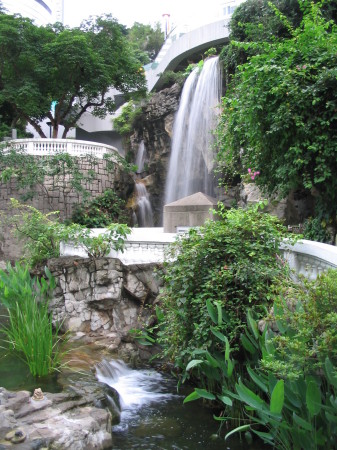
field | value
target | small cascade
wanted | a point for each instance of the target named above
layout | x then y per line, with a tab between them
144	210
136	388
191	162
141	156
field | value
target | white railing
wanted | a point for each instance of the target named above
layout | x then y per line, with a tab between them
143	246
45	147
310	258
147	245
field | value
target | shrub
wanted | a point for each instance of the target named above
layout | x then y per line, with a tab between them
287	384
102	211
42	236
30	332
213	274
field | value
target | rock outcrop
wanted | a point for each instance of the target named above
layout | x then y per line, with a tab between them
77	418
155	129
102	299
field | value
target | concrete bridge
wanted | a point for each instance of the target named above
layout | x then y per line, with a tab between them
178	48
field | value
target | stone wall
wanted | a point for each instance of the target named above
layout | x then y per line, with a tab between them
102	299
57	194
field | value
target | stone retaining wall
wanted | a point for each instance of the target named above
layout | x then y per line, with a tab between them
103	298
59	195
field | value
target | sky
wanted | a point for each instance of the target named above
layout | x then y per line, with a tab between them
144	11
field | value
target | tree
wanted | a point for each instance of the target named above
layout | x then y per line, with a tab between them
280	113
256	21
77	68
146	40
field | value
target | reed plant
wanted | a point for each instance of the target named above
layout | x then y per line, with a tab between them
29	331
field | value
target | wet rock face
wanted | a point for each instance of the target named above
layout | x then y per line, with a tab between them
78	418
155	129
102	299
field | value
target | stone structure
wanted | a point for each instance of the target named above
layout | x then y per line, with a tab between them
142	246
102	299
191	211
155	128
57	194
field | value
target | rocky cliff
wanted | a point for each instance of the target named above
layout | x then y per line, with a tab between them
155	129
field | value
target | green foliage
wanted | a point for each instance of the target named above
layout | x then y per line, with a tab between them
30	331
31	172
42	64
279	114
234	262
42	235
38	231
58	172
315	229
101	211
125	122
168	78
287	383
100	245
305	314
146	41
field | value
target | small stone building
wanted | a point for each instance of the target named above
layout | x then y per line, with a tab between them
191	211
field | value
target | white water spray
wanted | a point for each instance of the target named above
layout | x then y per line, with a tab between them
141	156
191	161
136	388
144	209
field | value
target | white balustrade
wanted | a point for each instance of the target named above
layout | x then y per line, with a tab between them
148	245
45	147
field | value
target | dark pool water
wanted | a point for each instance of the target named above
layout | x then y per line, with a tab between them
154	416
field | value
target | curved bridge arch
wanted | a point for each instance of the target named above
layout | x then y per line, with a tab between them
199	39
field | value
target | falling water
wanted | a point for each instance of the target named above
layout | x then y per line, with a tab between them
191	162
144	209
140	159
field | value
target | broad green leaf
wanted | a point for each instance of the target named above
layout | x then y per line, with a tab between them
219	308
212	311
331	418
247	396
222	338
247	344
257	380
277	398
193	363
252	324
266	437
205	394
230	368
330	372
302	423
212	361
193	396
226	400
237	430
313	398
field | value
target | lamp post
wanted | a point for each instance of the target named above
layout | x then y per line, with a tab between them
49	124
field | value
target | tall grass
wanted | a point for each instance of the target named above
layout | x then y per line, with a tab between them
29	331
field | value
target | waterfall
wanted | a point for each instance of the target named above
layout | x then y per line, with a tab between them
191	162
136	388
144	210
141	156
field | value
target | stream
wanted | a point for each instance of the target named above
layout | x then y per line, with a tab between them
154	416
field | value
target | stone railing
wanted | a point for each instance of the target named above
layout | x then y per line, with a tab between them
44	147
143	246
310	258
147	245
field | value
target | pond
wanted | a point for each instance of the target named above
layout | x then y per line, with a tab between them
153	414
